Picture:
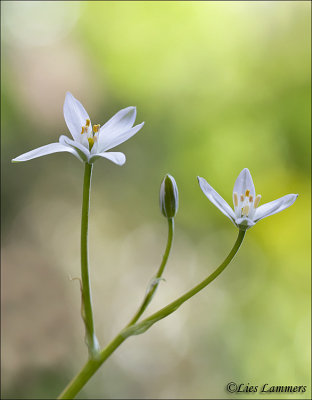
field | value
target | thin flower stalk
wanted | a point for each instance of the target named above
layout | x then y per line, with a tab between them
155	281
89	369
87	314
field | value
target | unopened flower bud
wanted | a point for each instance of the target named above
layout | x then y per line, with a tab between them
169	197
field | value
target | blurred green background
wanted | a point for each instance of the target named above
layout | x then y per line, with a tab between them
221	86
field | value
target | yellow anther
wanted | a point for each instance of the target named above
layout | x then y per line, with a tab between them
242	197
235	198
247	192
91	142
250	199
96	128
88	122
245	210
257	200
83	130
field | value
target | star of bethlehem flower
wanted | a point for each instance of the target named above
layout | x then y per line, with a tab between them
89	143
246	211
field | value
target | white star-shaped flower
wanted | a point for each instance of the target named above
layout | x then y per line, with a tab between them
246	211
89	143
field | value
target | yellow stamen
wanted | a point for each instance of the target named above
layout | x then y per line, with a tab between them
83	130
242	197
250	199
245	210
91	142
257	200
96	128
235	197
88	122
247	193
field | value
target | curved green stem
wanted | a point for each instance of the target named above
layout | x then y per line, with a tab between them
86	307
142	326
155	282
92	366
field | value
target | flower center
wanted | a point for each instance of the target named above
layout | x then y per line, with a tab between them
245	205
91	134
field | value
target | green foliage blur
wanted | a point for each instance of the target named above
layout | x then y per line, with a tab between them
221	86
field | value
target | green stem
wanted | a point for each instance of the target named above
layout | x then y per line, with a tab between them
87	314
89	369
92	366
155	282
170	308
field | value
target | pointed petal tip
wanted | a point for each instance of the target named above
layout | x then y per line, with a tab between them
216	199
244	182
133	110
68	97
130	109
295	197
122	159
275	206
18	159
245	171
202	181
169	176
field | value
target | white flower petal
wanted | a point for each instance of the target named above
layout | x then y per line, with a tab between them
244	182
80	148
274	207
115	157
216	199
112	139
123	120
75	116
45	150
